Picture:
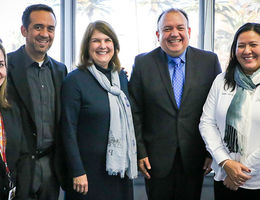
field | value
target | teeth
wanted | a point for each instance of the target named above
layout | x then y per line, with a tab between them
250	58
102	53
175	40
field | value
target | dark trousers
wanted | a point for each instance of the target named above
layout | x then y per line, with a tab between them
175	186
223	193
45	184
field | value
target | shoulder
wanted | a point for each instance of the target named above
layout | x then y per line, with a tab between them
199	52
58	64
219	81
15	55
148	55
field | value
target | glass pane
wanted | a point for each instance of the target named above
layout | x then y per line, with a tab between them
134	22
229	16
11	21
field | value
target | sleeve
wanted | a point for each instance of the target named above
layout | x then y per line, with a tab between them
136	100
208	125
71	103
253	162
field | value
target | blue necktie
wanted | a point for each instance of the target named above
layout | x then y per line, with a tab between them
177	80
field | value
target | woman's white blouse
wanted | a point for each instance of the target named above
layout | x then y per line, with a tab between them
212	129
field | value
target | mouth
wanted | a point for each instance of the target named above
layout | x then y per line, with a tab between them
249	58
173	41
102	52
42	41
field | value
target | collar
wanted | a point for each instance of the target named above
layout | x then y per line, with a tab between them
182	57
30	62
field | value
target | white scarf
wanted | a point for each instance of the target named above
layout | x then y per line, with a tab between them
121	155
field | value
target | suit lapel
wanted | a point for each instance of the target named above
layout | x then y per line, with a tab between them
189	74
18	73
162	64
57	85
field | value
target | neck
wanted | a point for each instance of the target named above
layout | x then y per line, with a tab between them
36	57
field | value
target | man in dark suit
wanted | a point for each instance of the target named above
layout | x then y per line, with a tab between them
168	88
34	83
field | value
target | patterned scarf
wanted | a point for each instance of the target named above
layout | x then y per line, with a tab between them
121	149
238	121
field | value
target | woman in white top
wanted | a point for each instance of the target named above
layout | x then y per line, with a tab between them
230	123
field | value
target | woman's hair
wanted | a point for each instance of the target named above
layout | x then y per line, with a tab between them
233	62
3	101
105	28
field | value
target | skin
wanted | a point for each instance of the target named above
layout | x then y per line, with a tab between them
40	34
174	33
173	36
236	175
101	49
248	51
2	68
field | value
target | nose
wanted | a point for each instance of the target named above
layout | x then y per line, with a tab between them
174	32
247	49
44	32
102	44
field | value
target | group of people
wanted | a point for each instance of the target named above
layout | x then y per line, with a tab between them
88	131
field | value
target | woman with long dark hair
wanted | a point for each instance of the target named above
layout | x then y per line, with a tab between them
230	122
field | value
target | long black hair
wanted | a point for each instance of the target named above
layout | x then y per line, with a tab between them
233	62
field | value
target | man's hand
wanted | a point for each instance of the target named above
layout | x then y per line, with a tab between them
235	171
207	165
143	165
230	184
80	184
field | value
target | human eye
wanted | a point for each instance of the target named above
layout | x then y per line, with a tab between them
241	46
2	64
167	29
94	40
51	29
37	27
108	40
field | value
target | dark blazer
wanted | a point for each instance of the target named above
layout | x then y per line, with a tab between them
15	148
85	127
18	90
159	126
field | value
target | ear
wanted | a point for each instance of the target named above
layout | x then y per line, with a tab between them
23	31
189	31
158	35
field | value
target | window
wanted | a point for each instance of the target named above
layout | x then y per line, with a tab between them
229	16
11	21
134	22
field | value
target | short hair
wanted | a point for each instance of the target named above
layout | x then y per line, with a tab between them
233	62
105	28
35	7
172	10
3	93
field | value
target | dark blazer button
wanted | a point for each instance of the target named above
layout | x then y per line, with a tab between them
33	157
34	134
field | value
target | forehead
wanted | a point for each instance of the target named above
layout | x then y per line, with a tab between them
173	18
1	55
42	17
249	36
98	34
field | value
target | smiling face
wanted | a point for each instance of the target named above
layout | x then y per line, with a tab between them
2	68
101	48
40	34
248	51
173	33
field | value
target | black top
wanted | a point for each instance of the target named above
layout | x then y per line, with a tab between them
43	97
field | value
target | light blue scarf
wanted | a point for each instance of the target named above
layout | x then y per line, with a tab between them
237	119
121	149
